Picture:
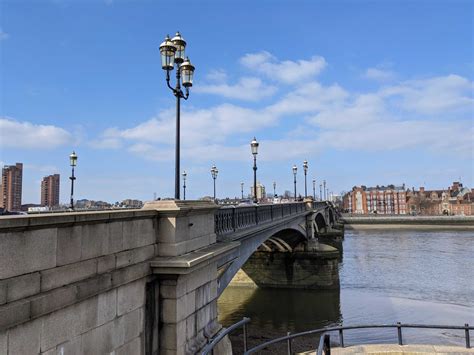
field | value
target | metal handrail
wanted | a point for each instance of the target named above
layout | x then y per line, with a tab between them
399	327
210	346
324	347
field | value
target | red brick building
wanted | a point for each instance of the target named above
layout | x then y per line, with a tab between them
11	187
389	199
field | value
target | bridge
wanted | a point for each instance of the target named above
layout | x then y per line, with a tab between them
147	281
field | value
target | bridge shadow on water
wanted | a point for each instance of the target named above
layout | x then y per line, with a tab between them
277	311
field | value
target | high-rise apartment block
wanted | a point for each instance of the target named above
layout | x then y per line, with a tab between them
260	191
50	190
10	190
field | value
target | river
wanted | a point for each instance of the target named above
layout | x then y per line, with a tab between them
386	276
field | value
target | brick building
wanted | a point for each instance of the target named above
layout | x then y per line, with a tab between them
11	187
389	199
50	190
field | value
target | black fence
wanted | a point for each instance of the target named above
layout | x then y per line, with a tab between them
231	219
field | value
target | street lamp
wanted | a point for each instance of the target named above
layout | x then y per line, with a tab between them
254	148
305	168
314	190
184	184
325	194
295	169
242	190
73	163
172	53
214	173
320	192
274	188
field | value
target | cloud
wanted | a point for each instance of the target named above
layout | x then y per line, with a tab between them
287	71
3	35
15	134
433	96
217	75
248	89
379	74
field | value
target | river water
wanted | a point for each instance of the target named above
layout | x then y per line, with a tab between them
386	277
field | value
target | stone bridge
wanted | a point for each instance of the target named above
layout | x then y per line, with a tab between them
136	281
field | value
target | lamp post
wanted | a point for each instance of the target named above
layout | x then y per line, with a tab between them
172	52
324	186
295	169
73	163
320	192
254	148
214	173
305	168
184	184
274	188
242	190
314	190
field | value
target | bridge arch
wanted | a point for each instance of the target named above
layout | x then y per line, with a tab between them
320	221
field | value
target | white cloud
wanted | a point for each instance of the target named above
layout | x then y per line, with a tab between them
217	75
3	35
249	89
287	71
437	95
15	134
379	74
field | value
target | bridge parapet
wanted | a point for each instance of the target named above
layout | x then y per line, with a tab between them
232	219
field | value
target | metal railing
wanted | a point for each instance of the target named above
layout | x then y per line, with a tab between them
324	345
208	349
231	219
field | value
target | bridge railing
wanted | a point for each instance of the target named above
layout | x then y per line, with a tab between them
231	219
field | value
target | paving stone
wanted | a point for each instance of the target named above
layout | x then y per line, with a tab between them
69	245
53	300
14	313
67	274
134	256
25	252
23	286
25	338
130	296
72	347
103	339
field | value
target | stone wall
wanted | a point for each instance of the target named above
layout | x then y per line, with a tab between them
75	283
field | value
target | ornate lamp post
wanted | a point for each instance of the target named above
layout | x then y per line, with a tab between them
305	168
242	190
254	148
325	193
320	192
73	163
274	188
172	52
214	173
314	190
184	184
295	169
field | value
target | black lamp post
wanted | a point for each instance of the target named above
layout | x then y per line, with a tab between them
242	190
274	188
320	192
305	168
314	190
214	173
172	52
325	193
254	148
73	162
184	184
295	169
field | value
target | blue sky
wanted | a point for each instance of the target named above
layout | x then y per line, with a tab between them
368	92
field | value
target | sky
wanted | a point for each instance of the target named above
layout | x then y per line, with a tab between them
369	93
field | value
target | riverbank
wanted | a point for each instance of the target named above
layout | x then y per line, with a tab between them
408	222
